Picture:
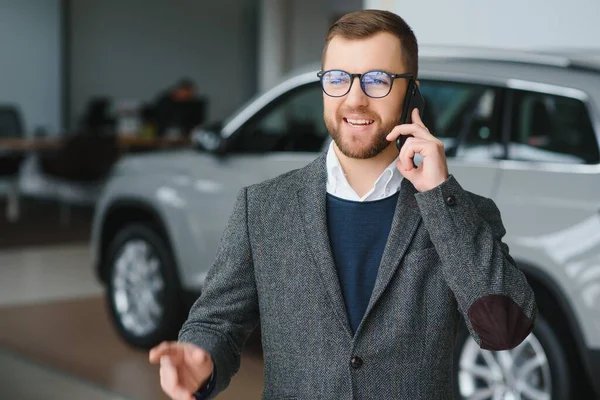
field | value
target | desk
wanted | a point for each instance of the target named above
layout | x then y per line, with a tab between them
125	143
24	145
129	142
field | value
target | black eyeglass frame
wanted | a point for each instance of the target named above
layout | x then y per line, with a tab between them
392	77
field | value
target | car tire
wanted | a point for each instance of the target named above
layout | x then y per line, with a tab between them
543	342
144	295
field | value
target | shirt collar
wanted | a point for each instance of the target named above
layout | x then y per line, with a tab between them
386	185
335	173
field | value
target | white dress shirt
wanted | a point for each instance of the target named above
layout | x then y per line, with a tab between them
386	185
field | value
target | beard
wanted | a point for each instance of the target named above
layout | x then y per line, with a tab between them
377	143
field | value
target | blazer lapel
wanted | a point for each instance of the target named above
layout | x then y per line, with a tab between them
312	205
404	225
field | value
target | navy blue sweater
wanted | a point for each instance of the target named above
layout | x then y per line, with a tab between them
358	233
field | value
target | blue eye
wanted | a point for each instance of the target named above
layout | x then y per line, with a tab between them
377	80
336	81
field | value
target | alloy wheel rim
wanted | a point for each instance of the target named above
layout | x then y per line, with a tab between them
522	373
138	287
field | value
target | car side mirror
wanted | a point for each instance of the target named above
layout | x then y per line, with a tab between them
208	140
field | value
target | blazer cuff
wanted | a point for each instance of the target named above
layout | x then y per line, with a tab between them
447	210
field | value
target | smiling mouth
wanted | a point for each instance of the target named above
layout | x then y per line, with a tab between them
359	122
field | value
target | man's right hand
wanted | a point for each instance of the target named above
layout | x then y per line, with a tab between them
184	368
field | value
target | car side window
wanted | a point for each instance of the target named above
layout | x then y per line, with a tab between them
551	128
293	123
464	117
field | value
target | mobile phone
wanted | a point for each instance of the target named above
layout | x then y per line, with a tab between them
413	99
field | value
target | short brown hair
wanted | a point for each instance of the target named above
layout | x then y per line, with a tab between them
366	23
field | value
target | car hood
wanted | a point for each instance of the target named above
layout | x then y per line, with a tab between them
171	162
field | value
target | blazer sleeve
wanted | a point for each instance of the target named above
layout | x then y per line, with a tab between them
493	295
226	313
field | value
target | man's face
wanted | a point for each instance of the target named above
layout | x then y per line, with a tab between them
357	123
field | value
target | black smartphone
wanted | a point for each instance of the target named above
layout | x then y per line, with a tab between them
413	99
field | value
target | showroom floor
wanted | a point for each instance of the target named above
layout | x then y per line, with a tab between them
56	340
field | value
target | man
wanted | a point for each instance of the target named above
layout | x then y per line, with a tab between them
179	110
358	266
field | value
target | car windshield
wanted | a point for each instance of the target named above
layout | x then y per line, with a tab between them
241	108
287	77
214	126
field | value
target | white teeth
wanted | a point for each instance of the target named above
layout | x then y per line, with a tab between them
359	121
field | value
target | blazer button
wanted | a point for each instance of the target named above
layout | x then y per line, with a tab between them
451	200
356	362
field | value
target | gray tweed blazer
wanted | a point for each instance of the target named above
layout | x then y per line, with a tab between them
444	259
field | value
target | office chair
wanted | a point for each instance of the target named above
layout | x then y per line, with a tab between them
11	127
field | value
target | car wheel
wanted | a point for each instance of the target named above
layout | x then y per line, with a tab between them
143	291
536	369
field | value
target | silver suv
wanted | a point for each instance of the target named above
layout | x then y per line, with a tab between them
520	128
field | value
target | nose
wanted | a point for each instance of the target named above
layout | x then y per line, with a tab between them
356	97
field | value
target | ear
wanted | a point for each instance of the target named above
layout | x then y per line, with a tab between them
418	82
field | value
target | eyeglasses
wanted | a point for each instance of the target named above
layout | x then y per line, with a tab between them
376	84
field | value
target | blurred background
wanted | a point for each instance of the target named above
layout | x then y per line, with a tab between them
127	127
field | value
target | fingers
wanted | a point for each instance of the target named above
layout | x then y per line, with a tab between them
170	382
414	146
158	351
198	356
411	147
183	367
172	349
416	130
416	118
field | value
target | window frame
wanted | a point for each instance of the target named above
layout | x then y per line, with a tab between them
498	113
515	85
508	86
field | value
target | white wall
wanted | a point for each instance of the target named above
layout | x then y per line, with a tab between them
307	30
310	21
273	42
30	61
516	24
134	49
292	33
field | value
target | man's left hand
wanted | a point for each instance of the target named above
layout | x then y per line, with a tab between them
433	170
